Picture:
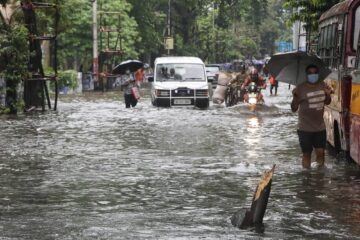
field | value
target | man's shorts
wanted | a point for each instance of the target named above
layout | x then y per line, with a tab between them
310	140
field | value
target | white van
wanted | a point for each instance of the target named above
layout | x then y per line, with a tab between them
179	81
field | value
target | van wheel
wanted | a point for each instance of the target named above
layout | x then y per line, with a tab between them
153	102
202	105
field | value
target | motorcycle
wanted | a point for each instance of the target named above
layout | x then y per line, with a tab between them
231	95
254	96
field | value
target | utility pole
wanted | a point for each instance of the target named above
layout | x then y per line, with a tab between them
168	39
169	23
213	15
213	29
95	43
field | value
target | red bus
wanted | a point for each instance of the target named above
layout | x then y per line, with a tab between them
338	43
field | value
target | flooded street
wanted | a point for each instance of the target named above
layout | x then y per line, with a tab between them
95	170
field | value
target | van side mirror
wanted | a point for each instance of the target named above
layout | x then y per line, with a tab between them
151	79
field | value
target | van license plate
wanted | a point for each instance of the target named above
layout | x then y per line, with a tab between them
182	101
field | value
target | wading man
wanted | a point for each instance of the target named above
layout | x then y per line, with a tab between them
310	98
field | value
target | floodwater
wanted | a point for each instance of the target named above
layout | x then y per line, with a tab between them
95	170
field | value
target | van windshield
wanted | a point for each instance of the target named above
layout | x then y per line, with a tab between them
180	72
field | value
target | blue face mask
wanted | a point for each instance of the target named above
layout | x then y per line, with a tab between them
313	78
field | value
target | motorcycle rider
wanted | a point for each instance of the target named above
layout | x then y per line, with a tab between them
253	77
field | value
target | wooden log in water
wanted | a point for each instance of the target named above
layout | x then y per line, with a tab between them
253	217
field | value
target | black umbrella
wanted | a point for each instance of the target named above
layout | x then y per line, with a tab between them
132	65
290	67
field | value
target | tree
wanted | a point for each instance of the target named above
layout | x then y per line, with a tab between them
14	57
308	11
75	34
75	38
215	30
151	20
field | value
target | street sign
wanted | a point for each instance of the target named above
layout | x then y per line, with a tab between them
283	46
169	43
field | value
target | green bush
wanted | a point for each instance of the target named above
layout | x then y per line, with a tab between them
14	59
66	78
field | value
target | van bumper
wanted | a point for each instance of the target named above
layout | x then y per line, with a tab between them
202	102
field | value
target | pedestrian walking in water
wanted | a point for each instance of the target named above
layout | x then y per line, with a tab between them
131	90
273	85
309	99
139	75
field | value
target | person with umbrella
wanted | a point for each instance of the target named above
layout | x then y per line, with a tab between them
131	87
309	99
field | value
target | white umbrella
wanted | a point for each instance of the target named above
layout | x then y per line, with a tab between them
291	67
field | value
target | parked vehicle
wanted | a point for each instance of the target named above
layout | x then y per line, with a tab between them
179	81
339	48
212	73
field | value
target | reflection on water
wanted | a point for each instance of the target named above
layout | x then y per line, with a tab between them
252	137
95	170
253	124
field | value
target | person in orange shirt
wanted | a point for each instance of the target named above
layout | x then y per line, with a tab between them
273	84
139	75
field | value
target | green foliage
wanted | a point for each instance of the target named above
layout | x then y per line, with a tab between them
66	78
18	107
308	11
151	18
14	52
215	30
75	38
127	24
234	29
250	48
75	33
14	57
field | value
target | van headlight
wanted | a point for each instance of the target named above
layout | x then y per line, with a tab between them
162	93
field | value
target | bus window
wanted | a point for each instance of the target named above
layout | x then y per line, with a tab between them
334	39
322	38
327	37
334	35
356	28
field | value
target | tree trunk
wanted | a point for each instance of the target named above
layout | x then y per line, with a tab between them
33	90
